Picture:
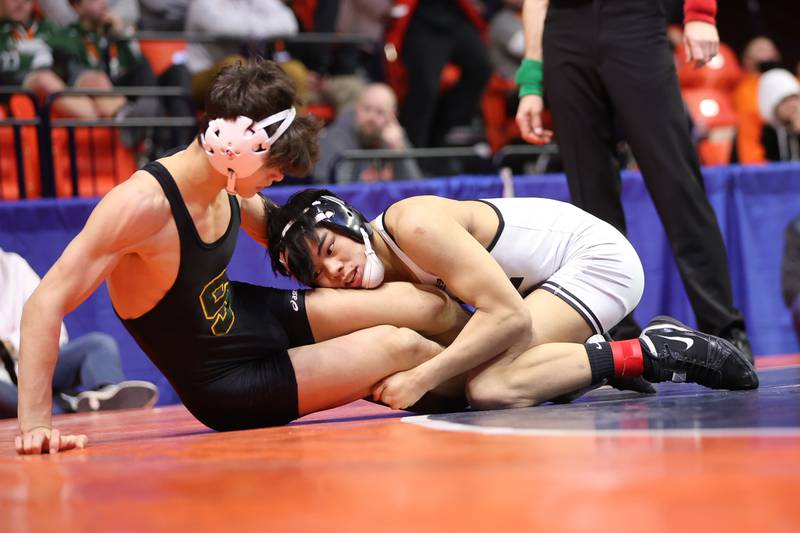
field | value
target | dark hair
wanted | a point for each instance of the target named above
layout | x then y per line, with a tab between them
257	89
295	242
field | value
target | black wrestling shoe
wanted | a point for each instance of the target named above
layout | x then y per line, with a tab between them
680	354
739	339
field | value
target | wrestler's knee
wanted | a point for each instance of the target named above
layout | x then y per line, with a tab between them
495	389
408	347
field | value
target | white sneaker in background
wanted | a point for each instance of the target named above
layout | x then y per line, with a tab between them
123	395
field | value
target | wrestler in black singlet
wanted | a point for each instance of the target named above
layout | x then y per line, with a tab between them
222	344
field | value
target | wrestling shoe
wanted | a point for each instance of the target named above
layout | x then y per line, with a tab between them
678	353
738	338
122	395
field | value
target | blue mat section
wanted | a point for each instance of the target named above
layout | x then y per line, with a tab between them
678	408
753	204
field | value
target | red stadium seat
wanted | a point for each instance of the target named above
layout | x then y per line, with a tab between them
22	107
710	108
713	113
102	161
501	127
161	53
722	72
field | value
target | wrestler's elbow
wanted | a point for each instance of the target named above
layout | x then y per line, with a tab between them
515	322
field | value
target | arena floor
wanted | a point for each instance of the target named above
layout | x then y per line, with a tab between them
686	460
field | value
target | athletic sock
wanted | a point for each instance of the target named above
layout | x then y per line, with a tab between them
621	359
601	361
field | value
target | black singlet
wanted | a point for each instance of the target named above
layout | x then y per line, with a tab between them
222	344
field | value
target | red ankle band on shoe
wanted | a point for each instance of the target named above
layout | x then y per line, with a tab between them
628	358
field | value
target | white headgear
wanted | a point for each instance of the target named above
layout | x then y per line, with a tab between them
373	268
237	147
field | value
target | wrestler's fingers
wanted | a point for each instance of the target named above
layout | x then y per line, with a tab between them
33	443
54	442
69	442
377	390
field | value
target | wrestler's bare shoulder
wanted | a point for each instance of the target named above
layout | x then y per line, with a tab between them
418	211
134	210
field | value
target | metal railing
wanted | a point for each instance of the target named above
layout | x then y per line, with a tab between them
479	152
457	156
16	125
299	38
542	152
51	125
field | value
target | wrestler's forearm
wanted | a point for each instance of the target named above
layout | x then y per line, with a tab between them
38	353
485	336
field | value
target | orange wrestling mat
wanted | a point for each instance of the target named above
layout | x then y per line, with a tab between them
687	459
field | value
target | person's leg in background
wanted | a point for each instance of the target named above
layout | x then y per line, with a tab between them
639	74
45	82
583	120
92	362
140	74
178	76
107	106
461	103
426	50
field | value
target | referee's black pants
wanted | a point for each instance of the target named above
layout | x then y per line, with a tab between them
608	62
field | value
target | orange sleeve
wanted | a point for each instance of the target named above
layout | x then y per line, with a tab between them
748	123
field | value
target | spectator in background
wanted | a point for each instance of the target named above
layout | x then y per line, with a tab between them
28	42
90	362
104	53
234	22
371	124
507	39
759	55
790	272
60	11
423	38
367	18
779	105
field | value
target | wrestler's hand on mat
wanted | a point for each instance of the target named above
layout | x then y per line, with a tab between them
529	120
43	439
401	390
701	42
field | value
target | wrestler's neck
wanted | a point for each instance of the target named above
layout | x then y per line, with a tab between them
197	180
394	268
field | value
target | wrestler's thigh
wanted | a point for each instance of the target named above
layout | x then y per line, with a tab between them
554	320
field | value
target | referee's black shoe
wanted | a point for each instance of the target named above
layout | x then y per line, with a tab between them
677	353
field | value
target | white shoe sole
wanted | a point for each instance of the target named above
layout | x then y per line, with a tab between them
123	395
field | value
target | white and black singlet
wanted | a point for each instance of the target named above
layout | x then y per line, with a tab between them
555	246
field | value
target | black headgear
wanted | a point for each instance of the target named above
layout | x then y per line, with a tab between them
336	214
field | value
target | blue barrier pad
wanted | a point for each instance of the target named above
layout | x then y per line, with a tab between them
753	205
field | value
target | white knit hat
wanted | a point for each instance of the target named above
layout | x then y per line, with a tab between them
773	86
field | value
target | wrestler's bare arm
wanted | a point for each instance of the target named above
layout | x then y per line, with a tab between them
434	239
128	216
254	217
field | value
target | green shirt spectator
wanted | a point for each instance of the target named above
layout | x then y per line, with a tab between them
100	49
26	46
